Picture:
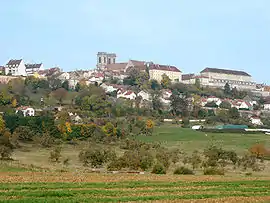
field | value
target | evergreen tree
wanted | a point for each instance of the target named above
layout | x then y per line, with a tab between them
227	89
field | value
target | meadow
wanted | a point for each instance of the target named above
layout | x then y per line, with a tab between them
68	187
39	180
185	138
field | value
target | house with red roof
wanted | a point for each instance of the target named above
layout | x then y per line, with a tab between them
26	111
126	94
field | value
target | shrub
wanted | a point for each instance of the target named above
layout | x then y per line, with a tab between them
24	133
195	160
249	161
159	169
5	152
213	171
163	157
183	171
55	154
66	161
96	157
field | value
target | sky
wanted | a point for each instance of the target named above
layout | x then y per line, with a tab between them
190	34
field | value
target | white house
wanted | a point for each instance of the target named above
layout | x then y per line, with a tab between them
127	94
267	105
15	68
31	69
145	96
26	110
108	88
256	120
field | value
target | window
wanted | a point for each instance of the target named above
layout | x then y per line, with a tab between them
105	60
114	60
99	59
109	60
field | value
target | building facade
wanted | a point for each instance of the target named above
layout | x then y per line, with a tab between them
219	78
156	72
15	68
31	69
104	59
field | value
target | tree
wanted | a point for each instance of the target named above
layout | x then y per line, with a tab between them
77	87
59	94
65	85
198	83
227	89
54	83
166	81
2	124
179	105
154	85
225	105
234	113
17	86
14	102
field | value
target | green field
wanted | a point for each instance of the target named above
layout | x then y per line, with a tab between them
130	191
174	136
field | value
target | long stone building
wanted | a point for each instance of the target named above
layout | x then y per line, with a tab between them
215	77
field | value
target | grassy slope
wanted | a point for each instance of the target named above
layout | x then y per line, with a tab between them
174	136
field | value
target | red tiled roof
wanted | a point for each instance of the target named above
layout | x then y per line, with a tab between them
164	67
116	67
138	63
187	76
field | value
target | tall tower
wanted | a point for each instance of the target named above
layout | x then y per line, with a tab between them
104	59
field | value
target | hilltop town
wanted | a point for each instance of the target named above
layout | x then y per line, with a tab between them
146	85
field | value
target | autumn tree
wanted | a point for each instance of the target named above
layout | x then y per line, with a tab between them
166	81
2	124
59	94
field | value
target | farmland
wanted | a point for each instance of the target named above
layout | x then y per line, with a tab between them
72	187
33	178
174	136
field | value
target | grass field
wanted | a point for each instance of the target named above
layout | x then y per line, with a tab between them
174	136
26	181
52	187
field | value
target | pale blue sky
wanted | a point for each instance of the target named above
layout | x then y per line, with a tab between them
191	34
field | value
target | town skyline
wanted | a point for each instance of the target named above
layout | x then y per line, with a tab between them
229	35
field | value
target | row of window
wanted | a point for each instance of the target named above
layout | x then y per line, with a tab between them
234	82
105	60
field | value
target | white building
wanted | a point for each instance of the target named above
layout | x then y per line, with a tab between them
127	94
256	120
219	78
145	96
26	110
15	68
31	69
157	71
267	106
19	68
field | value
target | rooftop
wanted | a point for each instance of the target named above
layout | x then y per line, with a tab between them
225	71
14	62
164	67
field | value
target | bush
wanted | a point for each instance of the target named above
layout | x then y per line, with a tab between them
213	171
163	157
5	152
96	157
159	169
183	171
24	133
55	154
